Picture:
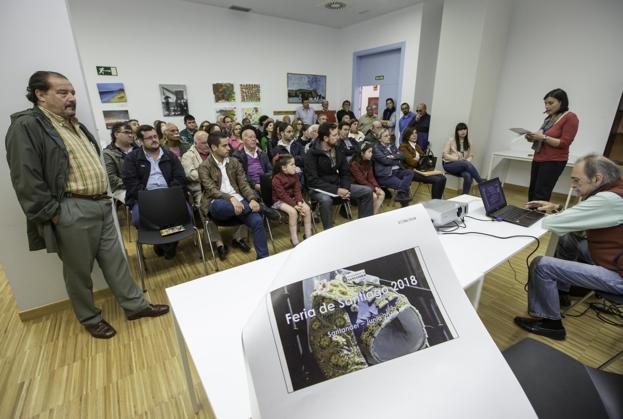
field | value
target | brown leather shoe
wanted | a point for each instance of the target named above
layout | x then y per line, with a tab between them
152	310
101	330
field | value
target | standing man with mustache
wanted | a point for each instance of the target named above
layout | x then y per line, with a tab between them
62	188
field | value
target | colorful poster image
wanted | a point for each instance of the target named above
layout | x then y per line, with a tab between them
228	111
250	93
111	92
174	99
252	113
356	317
110	117
224	92
311	86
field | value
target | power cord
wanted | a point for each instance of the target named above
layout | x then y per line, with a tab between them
478	219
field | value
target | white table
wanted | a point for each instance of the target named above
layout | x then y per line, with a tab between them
504	157
210	312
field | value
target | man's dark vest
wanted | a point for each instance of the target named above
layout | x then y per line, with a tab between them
606	244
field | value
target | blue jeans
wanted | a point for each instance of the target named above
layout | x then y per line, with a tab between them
464	169
400	180
572	265
223	210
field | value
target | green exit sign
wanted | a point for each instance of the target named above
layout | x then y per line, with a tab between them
379	77
106	71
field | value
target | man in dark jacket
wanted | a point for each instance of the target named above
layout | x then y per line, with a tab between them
328	177
151	167
121	145
61	186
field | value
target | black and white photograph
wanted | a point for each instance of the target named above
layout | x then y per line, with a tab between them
174	99
349	319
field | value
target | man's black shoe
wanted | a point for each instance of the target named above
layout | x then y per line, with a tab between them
241	244
270	213
222	252
540	327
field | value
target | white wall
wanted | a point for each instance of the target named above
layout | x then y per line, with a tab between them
400	26
166	41
572	44
36	277
432	12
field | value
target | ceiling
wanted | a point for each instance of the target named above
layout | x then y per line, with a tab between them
314	11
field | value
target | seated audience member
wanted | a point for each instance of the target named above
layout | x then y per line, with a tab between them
299	127
374	134
286	119
308	137
267	133
355	134
134	124
255	162
421	123
345	111
326	174
346	118
227	125
151	167
159	126
363	174
366	120
330	115
306	113
212	128
246	121
405	119
593	262
287	196
457	158
388	168
348	145
191	127
172	141
286	145
204	125
121	145
227	194
321	119
235	141
413	153
389	115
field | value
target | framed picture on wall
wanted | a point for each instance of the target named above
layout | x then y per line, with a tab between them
174	99
110	117
312	86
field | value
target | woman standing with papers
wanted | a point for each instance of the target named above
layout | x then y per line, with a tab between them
551	145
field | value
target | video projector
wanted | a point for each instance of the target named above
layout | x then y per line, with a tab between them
443	212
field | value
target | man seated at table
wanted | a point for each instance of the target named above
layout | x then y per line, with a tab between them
327	175
227	194
413	153
151	167
594	263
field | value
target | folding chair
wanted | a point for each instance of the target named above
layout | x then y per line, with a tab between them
128	217
163	208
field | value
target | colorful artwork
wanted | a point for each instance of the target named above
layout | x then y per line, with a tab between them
227	111
224	92
111	92
252	113
312	86
250	93
110	117
174	99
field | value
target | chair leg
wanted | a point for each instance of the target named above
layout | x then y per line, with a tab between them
141	261
270	234
349	211
128	220
610	361
568	309
203	256
206	233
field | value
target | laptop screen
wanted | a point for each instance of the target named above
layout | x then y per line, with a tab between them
492	195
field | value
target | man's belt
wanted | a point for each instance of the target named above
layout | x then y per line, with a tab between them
89	197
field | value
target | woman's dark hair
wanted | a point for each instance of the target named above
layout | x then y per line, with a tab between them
267	121
561	96
460	126
158	127
407	133
211	128
280	161
387	113
40	81
358	156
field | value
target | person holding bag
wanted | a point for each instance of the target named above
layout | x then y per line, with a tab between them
421	163
551	145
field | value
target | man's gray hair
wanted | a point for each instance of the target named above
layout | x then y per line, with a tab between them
198	135
594	164
311	127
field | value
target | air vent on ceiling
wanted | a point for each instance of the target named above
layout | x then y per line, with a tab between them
335	5
239	8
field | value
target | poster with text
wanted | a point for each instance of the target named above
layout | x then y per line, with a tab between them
224	92
353	318
174	99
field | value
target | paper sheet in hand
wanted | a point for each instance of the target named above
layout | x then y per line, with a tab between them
520	131
313	365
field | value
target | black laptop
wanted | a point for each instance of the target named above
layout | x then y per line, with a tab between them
495	205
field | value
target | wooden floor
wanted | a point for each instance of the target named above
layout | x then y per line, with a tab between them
51	368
